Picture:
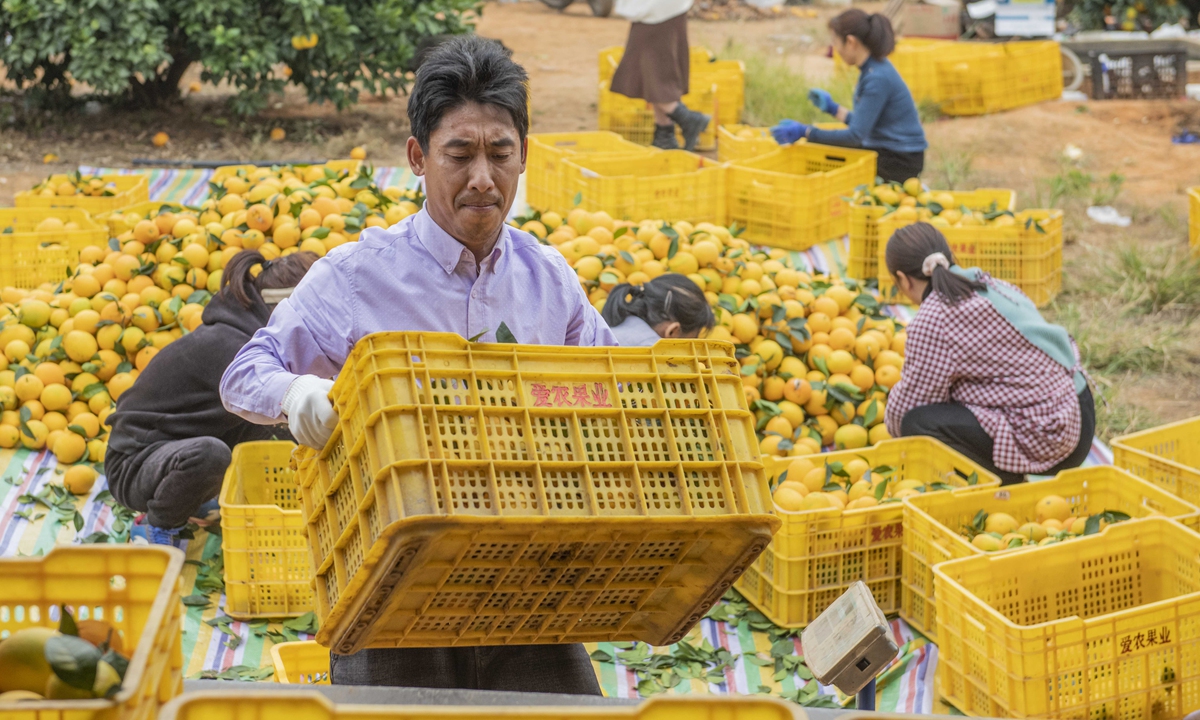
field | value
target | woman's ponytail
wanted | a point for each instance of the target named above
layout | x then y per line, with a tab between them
239	278
921	252
670	297
874	31
624	300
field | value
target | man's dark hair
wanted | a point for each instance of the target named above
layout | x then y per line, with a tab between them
467	68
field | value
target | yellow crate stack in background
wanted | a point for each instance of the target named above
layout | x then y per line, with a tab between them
483	494
633	119
797	196
1014	75
863	262
128	189
1104	626
30	256
548	184
264	539
667	184
818	554
1168	456
742	142
134	589
716	88
1027	253
933	524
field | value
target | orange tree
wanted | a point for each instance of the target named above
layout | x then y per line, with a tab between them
136	51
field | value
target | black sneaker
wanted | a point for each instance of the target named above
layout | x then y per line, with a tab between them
664	137
691	123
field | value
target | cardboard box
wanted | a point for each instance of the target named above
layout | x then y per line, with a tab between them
932	21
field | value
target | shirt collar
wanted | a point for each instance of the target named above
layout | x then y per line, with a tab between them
447	251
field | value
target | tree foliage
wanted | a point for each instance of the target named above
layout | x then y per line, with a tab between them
136	51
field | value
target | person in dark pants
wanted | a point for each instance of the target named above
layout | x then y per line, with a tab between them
171	438
884	118
455	266
656	68
983	371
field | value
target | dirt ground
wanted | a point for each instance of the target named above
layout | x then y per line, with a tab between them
1022	149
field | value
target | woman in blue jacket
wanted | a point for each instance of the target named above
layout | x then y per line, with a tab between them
885	117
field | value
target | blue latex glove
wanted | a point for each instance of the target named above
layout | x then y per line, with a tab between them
823	101
788	131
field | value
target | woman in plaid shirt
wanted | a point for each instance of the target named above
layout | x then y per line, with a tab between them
983	372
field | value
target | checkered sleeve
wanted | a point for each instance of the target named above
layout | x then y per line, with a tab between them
929	365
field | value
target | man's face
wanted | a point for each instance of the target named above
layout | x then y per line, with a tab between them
471	170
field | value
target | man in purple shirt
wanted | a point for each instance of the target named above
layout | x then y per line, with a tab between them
453	267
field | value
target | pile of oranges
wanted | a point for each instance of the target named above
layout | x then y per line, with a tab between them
818	359
74	347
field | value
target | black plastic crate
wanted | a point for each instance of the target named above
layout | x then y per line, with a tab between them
1141	70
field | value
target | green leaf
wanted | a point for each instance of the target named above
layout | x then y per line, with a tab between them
118	662
476	336
979	522
504	335
92	390
196	601
306	623
577	199
66	623
872	412
78	430
601	656
73	660
881	490
822	366
321	233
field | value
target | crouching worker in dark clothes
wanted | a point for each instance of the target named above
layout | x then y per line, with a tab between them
171	438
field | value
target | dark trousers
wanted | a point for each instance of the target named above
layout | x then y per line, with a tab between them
956	426
899	166
168	480
517	668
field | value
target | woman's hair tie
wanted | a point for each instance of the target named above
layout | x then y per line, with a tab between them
935	260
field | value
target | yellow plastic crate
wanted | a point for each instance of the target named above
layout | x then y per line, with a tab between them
117	223
670	184
1014	75
633	119
29	257
1106	626
130	189
743	142
818	554
227	171
487	494
301	663
312	705
932	523
729	77
916	60
1025	257
547	184
136	589
268	571
1168	456
796	196
1194	220
864	226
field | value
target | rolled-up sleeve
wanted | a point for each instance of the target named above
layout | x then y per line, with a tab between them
310	333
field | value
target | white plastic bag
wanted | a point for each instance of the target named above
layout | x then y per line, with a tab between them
651	12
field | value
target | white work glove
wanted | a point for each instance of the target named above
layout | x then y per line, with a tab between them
311	418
